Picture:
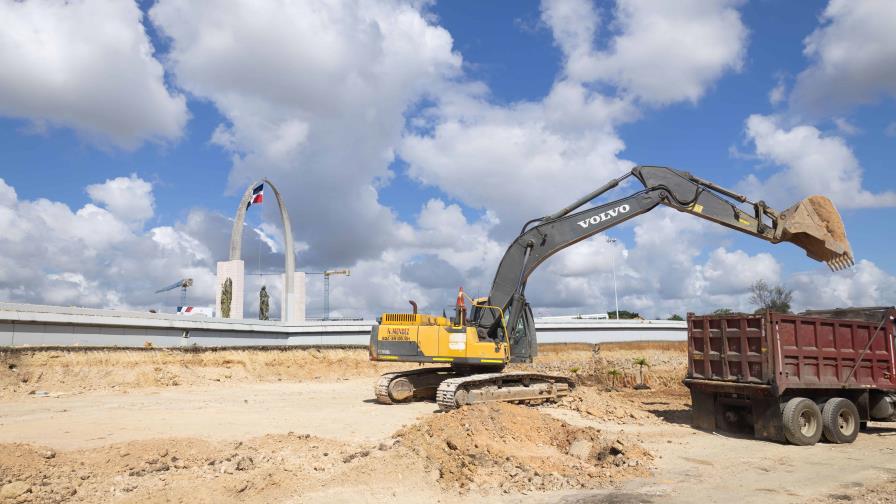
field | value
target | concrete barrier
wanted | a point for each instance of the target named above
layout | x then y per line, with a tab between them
40	325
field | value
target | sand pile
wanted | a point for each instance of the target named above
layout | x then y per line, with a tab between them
508	448
170	470
23	371
613	364
607	405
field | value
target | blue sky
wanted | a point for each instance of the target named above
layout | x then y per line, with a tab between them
214	121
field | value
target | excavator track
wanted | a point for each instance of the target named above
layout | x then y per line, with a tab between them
454	393
403	386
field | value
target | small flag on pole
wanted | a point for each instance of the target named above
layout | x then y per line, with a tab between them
257	196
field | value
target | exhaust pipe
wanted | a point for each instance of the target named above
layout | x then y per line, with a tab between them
814	224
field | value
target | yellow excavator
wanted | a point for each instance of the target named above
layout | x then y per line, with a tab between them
475	347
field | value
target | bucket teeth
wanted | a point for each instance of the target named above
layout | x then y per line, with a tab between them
815	225
841	262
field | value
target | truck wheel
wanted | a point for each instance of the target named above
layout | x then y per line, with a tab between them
802	421
840	420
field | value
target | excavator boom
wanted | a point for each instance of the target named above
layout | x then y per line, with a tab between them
813	225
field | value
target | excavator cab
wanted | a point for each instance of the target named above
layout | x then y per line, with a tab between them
523	343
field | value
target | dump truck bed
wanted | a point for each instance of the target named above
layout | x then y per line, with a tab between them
832	349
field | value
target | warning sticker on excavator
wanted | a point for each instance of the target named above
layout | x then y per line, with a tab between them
457	341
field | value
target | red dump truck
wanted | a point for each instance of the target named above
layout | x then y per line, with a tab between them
793	378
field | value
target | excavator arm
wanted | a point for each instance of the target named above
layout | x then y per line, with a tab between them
813	225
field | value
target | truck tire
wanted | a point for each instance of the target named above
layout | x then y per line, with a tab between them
802	421
840	420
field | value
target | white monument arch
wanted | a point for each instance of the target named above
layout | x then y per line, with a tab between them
292	302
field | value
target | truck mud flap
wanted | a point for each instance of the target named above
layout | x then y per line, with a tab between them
767	421
703	406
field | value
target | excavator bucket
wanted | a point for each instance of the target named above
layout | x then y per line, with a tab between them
814	224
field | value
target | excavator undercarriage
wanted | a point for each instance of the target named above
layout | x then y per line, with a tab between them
452	388
500	329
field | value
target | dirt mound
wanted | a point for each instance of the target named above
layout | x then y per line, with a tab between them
510	448
607	405
486	449
613	364
23	371
166	470
640	407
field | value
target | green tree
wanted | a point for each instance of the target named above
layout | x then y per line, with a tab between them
624	315
641	362
723	311
765	297
613	374
675	316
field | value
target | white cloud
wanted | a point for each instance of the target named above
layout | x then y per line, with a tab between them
321	95
128	198
863	285
99	257
661	52
314	95
845	127
813	164
89	257
522	161
445	250
86	65
667	246
733	272
778	93
532	157
594	256
574	24
327	128
851	54
890	130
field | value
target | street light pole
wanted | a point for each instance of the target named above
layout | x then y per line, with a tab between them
613	259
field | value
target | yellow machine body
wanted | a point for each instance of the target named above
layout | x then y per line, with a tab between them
407	337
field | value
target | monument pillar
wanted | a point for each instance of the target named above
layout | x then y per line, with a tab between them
235	271
293	300
293	308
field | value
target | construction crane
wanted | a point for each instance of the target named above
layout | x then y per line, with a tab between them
500	328
327	275
183	284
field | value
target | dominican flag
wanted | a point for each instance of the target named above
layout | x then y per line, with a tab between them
257	196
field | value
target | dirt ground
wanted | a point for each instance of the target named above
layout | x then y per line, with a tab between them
300	426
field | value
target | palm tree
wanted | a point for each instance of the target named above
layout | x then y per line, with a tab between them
641	362
613	374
